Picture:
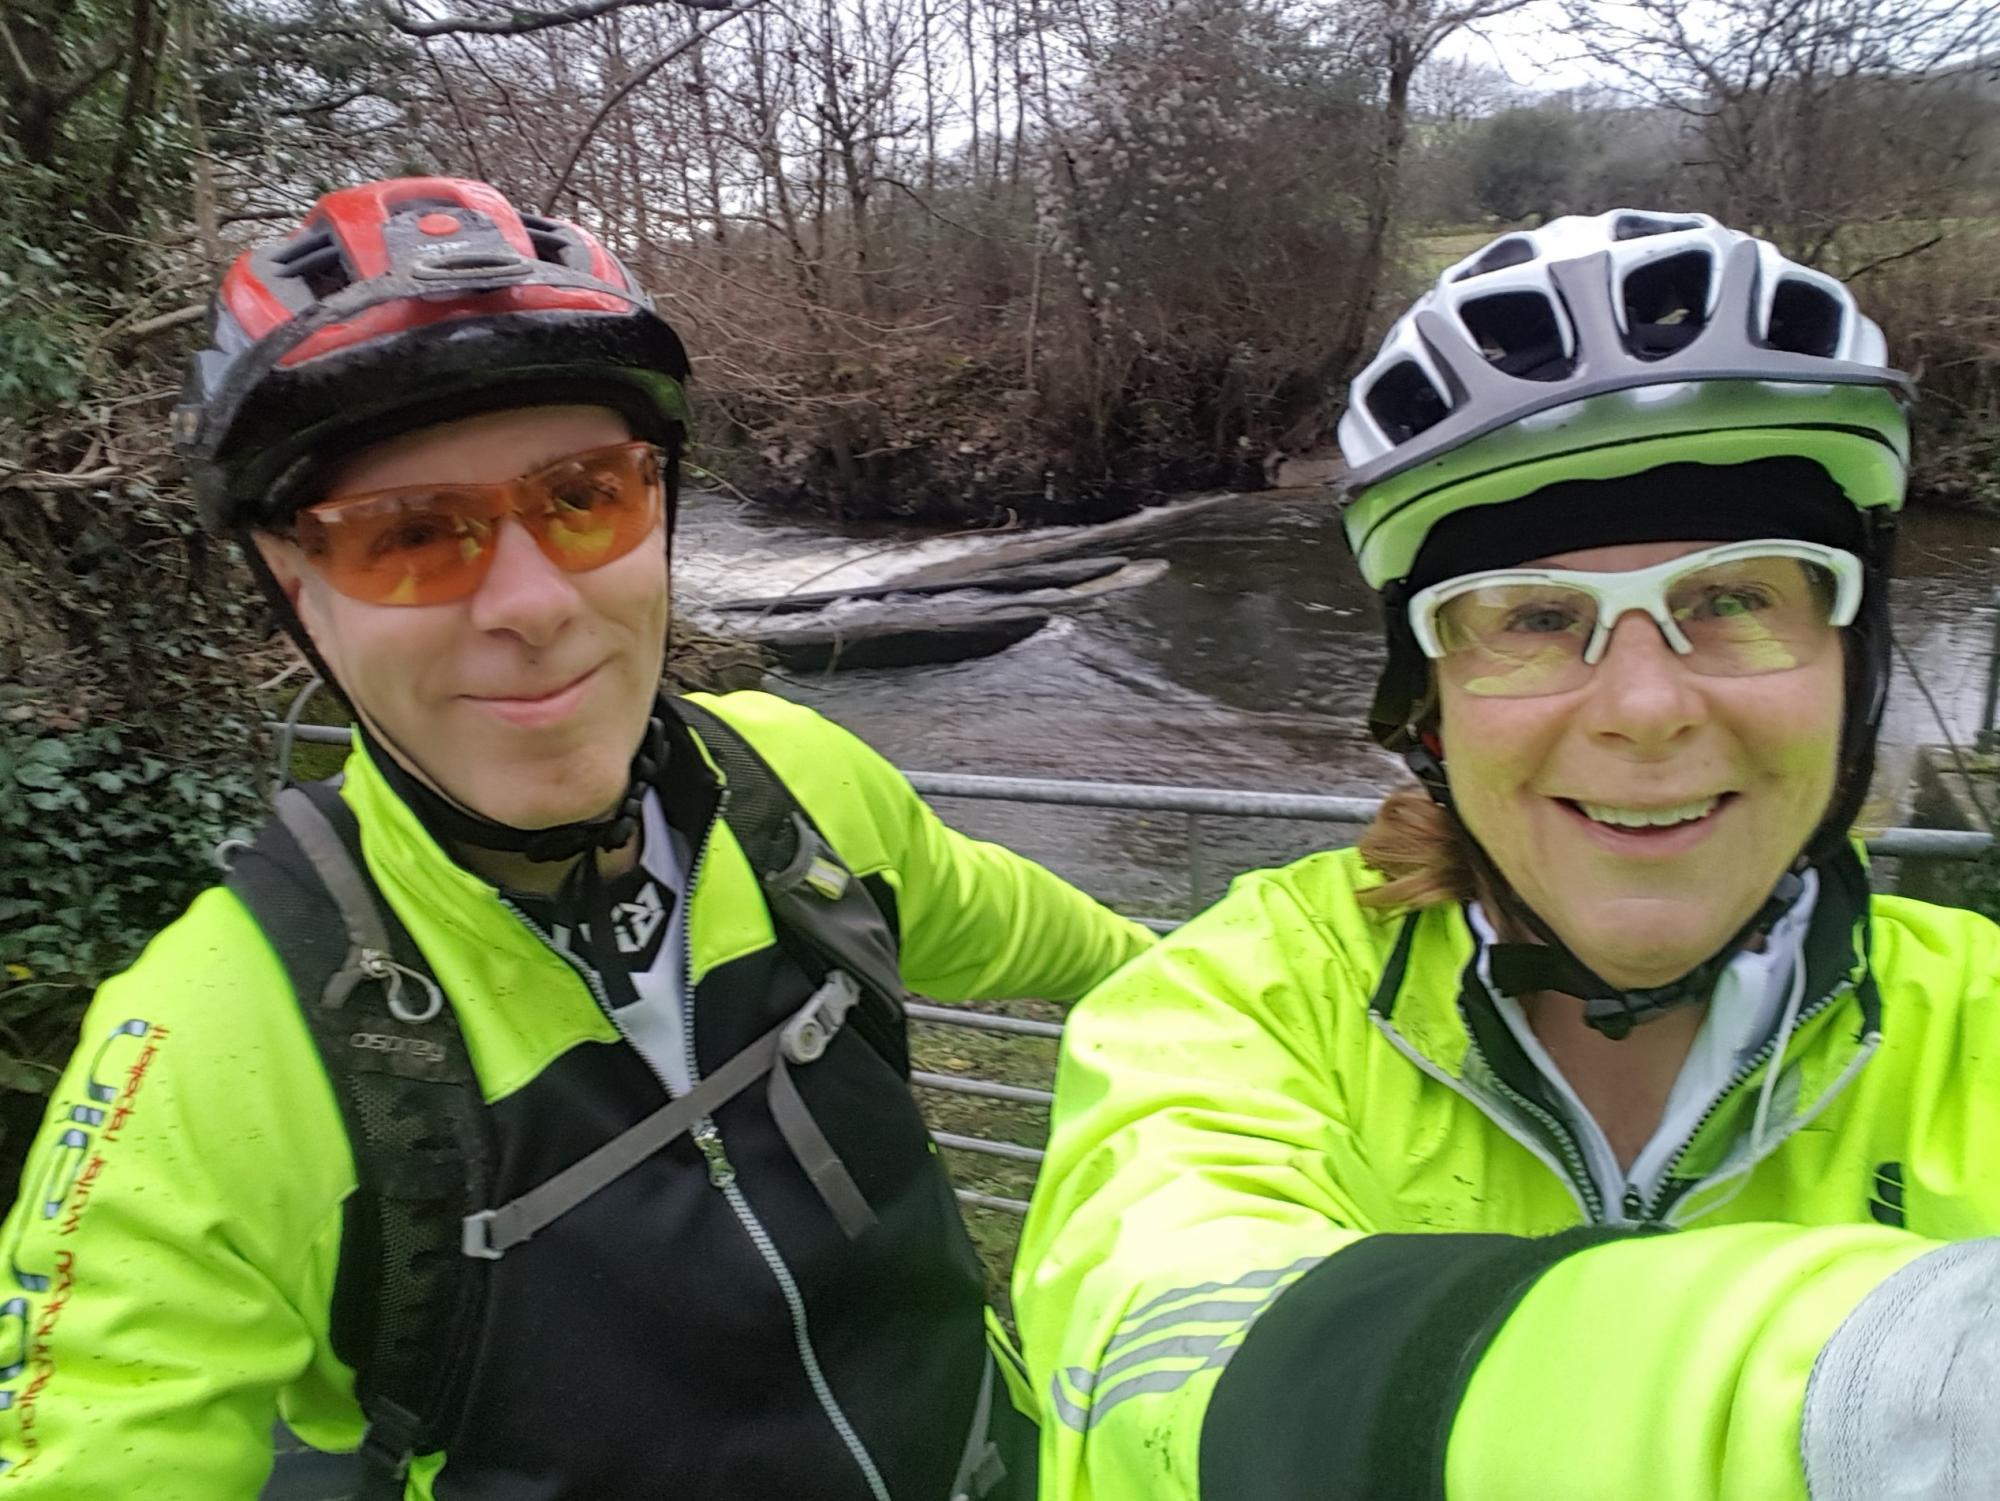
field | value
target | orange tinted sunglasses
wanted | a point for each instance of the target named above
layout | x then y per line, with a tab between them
432	544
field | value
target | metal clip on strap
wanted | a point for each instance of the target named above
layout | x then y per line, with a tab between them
368	945
367	937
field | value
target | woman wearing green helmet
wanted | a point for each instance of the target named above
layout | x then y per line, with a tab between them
1590	1130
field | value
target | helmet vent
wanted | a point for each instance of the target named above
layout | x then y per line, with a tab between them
1512	251
1404	402
1644	226
315	259
1805	319
547	236
1518	333
1666	303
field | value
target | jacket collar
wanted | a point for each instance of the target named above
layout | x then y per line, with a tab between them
1430	994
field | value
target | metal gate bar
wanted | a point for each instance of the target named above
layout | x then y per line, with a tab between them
1229	802
1196	803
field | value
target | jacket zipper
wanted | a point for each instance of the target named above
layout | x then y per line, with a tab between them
1574	1165
1723	1095
1578	1183
1659	1202
721	1172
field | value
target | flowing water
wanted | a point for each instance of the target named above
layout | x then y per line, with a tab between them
1248	664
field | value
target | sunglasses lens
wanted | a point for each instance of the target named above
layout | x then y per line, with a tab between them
405	547
1740	617
1755	615
1516	640
595	508
430	546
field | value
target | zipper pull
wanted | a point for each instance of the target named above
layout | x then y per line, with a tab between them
1635	1207
709	1141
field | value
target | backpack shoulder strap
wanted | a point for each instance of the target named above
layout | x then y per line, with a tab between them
406	1303
825	915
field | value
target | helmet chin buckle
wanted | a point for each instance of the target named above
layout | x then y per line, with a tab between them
453	824
1528	968
1525	968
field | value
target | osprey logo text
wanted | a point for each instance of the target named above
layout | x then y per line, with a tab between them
384	1042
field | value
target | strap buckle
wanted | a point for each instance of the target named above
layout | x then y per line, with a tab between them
476	1236
388	1444
808	1034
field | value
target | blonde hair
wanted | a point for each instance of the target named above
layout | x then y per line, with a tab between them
1422	852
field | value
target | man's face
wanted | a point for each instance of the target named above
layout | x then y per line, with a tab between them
525	700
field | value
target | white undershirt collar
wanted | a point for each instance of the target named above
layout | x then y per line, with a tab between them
1749	1002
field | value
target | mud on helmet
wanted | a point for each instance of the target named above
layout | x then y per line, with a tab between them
1627	377
394	306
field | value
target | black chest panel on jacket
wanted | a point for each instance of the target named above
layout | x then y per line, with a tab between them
663	1335
642	1346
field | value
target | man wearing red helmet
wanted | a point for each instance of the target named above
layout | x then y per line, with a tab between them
528	1109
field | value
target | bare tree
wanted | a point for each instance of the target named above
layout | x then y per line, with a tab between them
516	21
1394	39
1809	116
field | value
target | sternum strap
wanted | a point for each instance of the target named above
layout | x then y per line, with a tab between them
491	1233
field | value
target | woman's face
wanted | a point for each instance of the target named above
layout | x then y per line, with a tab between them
1550	787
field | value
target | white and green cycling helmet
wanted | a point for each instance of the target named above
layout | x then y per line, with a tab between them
1630	377
1621	378
1601	348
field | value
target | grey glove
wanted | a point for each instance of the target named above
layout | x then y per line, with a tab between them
1904	1401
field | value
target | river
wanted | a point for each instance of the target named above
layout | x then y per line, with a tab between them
1249	663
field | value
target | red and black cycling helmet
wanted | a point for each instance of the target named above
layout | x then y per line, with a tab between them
403	303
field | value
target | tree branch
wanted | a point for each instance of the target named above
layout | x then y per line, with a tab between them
694	39
146	328
524	22
1899	255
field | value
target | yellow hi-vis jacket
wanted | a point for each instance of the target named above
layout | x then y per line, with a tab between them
1312	1227
171	1268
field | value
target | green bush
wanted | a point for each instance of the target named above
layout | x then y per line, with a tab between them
40	331
106	841
129	742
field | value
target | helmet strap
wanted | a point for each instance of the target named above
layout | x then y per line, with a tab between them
1549	963
451	822
1524	968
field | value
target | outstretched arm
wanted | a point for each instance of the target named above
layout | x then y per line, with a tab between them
977	921
1208	1311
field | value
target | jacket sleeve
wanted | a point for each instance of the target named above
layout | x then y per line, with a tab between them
977	921
169	1258
1207	1313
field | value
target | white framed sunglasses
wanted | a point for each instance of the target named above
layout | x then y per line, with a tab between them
1741	609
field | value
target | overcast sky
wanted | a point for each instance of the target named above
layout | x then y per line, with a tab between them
1524	46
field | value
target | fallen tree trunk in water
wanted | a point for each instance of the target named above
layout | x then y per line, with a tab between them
999	581
851	643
